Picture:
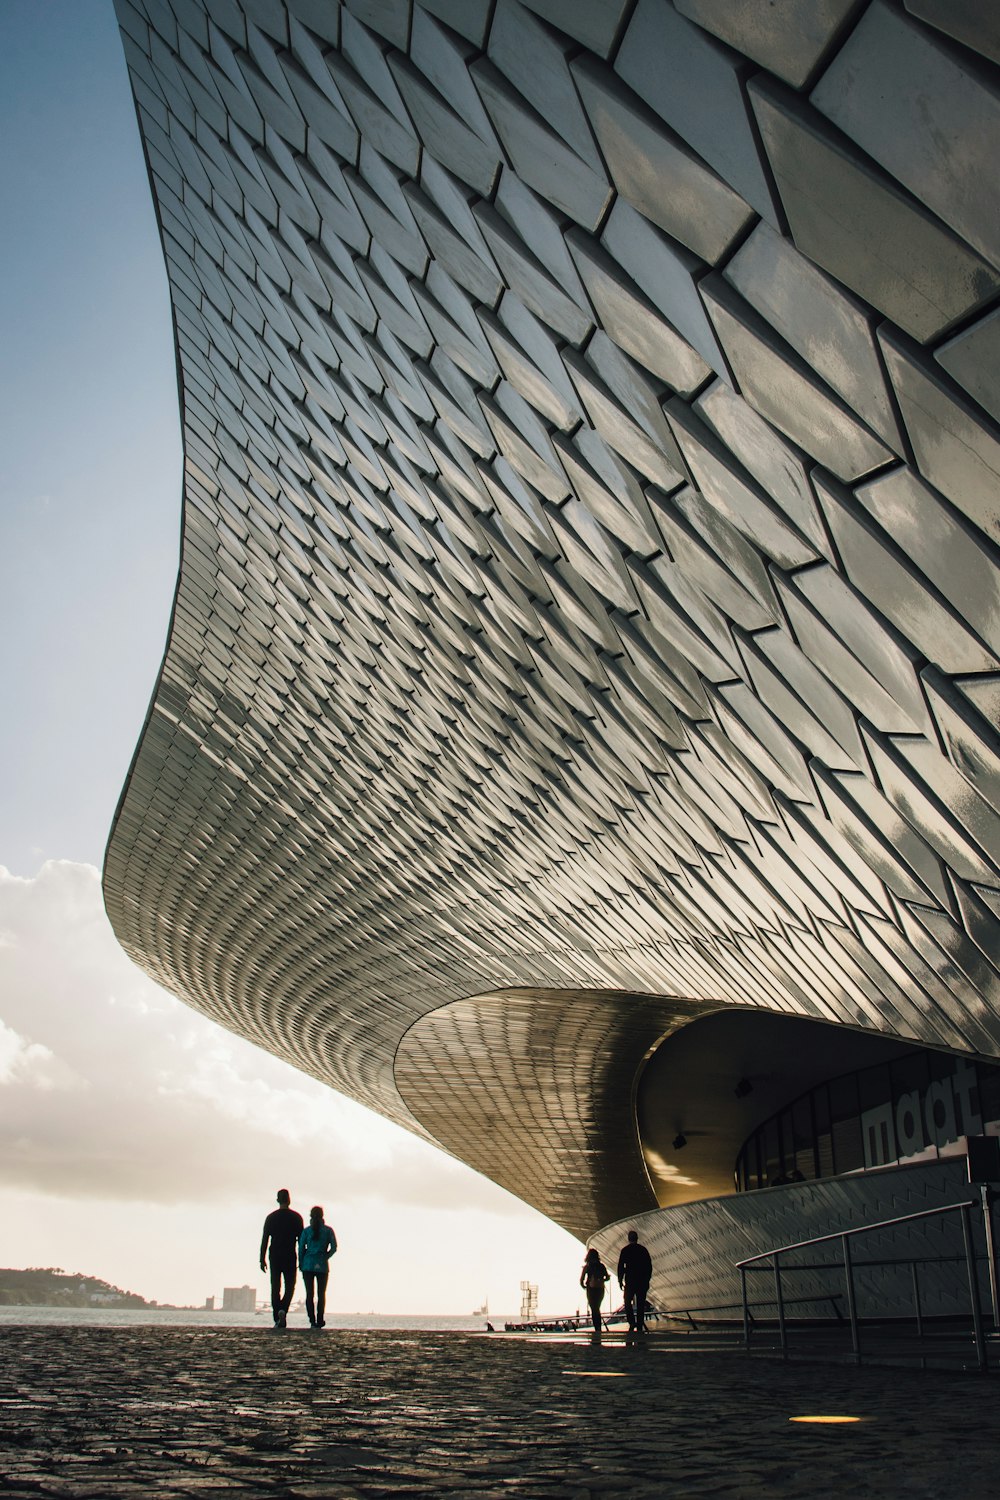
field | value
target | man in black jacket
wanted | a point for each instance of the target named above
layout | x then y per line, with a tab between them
634	1272
282	1228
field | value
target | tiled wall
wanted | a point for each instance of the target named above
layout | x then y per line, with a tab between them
591	505
695	1248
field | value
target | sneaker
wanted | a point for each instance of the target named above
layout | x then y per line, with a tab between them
282	1317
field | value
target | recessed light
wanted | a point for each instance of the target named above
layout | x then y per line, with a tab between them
829	1421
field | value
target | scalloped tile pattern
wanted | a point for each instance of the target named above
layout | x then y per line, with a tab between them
589	580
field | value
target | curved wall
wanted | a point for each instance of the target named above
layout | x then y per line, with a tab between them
590	521
535	1088
695	1248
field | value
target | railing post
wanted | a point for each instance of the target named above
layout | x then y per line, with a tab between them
991	1250
845	1236
782	1334
970	1261
851	1306
916	1300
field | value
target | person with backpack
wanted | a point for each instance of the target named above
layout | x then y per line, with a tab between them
593	1278
317	1243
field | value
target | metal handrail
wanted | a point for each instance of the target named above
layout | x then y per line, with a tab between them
677	1313
845	1236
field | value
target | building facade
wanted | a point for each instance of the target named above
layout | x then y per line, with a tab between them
583	673
237	1299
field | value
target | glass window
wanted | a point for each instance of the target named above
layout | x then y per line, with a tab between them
940	1064
785	1143
910	1077
908	1073
989	1093
804	1139
824	1137
758	1170
848	1153
845	1124
772	1153
874	1087
820	1134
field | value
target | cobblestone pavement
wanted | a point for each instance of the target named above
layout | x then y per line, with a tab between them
355	1416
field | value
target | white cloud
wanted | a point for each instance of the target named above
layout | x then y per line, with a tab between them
121	1109
30	1064
160	1104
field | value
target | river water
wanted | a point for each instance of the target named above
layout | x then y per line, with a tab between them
186	1317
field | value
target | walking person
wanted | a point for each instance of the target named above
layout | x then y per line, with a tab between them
593	1278
282	1228
635	1269
317	1243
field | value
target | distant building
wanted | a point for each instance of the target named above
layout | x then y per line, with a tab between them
237	1299
210	1304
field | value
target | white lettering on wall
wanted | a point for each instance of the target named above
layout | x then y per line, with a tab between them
945	1112
964	1082
939	1112
876	1133
909	1124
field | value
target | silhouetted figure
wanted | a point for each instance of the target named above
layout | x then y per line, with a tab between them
490	1328
282	1229
594	1278
634	1272
317	1243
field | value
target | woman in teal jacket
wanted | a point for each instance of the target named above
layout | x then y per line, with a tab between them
317	1243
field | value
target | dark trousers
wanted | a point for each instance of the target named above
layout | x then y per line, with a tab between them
595	1296
635	1303
282	1269
320	1278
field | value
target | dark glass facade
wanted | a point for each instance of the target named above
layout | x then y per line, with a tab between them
910	1109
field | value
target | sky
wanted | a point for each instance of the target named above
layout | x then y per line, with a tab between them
139	1142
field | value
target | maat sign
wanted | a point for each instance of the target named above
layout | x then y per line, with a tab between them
936	1116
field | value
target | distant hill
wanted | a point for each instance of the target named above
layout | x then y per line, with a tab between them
51	1286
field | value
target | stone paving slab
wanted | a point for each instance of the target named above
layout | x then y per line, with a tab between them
103	1414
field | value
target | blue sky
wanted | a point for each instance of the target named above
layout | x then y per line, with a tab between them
90	458
90	474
